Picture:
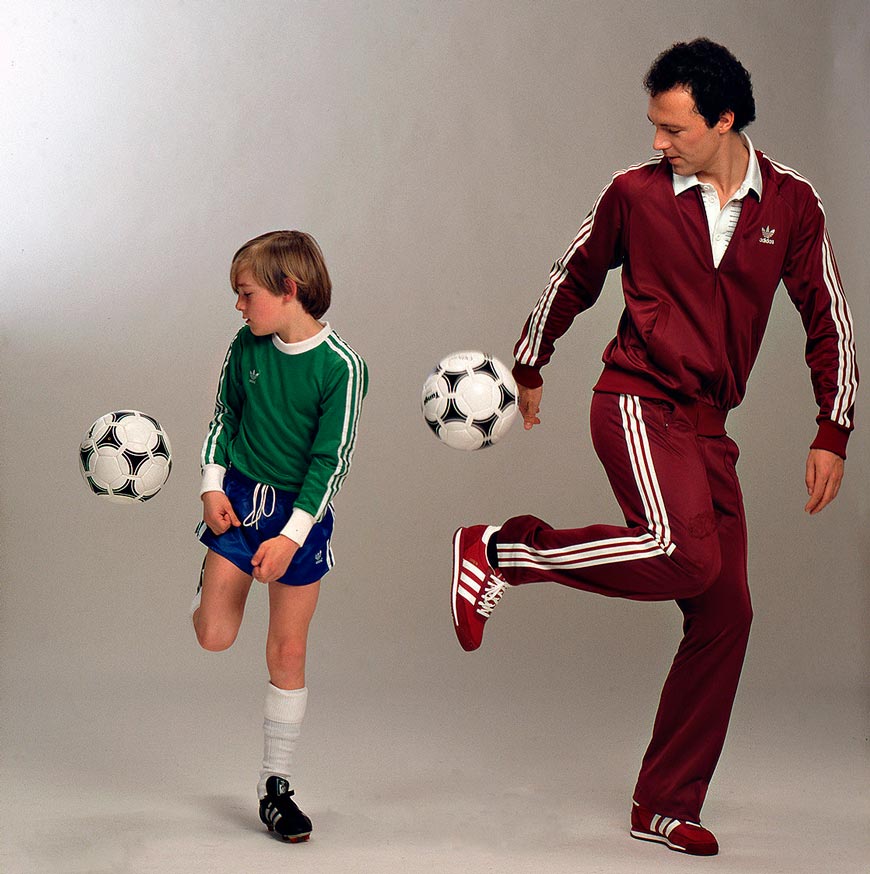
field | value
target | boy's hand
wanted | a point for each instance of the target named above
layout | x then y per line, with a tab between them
273	558
218	513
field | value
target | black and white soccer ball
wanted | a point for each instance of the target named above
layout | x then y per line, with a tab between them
469	400
125	457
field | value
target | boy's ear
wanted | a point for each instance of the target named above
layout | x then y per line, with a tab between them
290	286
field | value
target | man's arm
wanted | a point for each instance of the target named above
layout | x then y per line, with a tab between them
813	283
575	284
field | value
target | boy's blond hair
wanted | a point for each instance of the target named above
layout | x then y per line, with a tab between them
279	255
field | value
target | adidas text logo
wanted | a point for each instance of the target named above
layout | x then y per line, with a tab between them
767	236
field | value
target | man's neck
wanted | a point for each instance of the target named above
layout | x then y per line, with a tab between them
727	173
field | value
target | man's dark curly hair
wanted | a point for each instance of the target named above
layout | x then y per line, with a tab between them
715	78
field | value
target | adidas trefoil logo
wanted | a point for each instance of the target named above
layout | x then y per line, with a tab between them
767	236
253	375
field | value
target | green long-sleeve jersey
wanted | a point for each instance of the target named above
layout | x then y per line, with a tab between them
286	414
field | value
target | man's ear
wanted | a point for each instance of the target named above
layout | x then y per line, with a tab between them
726	121
290	287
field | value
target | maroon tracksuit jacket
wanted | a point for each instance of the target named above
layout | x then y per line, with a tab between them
691	330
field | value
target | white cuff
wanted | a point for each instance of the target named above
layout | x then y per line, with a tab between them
212	478
298	526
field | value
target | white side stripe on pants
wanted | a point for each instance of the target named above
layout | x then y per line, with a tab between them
640	454
655	542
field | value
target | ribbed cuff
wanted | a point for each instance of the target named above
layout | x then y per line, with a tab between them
530	377
298	526
831	437
212	478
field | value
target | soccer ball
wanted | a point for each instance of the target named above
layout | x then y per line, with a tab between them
469	400
125	457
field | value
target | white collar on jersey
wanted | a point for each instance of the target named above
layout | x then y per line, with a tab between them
304	345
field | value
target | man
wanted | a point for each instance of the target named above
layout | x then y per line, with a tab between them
703	235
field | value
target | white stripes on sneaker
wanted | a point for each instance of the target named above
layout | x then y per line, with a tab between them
663	825
655	542
477	587
471	580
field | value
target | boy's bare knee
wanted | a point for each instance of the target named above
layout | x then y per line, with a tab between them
215	639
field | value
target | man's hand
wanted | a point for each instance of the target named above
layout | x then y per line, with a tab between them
530	405
824	475
218	513
271	560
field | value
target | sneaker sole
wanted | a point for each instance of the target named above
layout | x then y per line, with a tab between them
291	839
660	839
456	567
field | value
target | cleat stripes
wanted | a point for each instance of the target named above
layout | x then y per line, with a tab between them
279	813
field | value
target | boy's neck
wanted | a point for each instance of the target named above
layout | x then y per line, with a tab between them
300	330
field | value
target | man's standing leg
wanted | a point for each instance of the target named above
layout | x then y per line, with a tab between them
698	694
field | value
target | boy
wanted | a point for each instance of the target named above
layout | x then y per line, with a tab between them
276	453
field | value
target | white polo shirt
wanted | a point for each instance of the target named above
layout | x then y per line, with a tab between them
722	221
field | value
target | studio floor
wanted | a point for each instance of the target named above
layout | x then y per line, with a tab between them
164	784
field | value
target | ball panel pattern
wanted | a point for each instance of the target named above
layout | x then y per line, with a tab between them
469	400
125	457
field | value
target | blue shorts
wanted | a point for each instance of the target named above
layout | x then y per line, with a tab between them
312	561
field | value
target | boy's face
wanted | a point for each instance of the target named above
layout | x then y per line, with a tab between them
264	313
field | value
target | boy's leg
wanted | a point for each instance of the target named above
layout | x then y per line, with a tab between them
698	694
290	612
224	593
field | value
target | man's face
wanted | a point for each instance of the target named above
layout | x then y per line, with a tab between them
682	135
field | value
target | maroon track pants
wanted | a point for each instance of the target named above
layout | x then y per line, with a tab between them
684	540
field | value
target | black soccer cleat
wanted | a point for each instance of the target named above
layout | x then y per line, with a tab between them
280	814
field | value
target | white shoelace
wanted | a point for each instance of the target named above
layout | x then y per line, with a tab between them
262	495
492	593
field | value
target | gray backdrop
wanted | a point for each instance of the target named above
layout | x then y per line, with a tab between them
443	154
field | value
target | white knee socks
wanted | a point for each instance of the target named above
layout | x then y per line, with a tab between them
282	725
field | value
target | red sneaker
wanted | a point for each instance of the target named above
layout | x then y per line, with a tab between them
676	834
477	587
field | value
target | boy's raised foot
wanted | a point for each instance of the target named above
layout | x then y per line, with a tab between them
280	814
477	586
675	834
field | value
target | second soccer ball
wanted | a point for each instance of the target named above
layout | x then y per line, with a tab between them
469	400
